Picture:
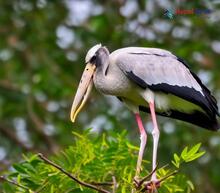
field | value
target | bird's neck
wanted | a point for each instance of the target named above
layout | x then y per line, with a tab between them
102	61
102	79
101	76
102	70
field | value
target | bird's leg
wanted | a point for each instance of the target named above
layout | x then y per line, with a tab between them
156	135
143	137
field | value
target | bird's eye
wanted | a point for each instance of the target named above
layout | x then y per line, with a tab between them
93	59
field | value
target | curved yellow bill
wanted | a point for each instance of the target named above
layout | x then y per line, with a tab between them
83	91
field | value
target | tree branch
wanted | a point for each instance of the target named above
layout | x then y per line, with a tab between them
2	178
115	184
169	175
102	183
97	188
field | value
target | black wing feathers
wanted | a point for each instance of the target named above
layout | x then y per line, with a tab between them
209	97
189	94
197	118
207	102
137	80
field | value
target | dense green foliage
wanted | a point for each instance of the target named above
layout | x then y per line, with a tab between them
93	160
42	48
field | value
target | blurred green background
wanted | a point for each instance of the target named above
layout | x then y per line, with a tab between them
42	48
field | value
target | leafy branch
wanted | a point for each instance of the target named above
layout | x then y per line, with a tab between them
97	188
93	164
187	155
4	179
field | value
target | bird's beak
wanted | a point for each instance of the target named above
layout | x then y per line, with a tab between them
83	91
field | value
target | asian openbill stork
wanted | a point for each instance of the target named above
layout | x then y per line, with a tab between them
151	80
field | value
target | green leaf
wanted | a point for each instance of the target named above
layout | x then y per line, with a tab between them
176	158
191	186
20	168
194	149
52	189
97	159
19	179
184	153
195	156
176	161
191	154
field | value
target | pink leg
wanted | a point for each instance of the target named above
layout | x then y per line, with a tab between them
156	135
143	142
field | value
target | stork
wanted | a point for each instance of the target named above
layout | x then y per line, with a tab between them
151	80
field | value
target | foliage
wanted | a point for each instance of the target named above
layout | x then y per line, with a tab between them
43	44
93	160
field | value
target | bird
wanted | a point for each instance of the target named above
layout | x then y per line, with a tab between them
151	80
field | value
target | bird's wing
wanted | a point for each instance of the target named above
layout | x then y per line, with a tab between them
160	70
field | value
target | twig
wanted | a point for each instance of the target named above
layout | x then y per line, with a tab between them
2	178
102	183
115	185
155	185
165	177
150	174
99	189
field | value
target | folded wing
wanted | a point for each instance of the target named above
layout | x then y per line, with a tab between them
161	71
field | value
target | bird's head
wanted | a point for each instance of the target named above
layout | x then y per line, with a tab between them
86	82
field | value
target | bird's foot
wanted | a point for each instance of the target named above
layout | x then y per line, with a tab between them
146	186
150	186
144	183
138	181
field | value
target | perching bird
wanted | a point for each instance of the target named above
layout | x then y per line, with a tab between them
151	80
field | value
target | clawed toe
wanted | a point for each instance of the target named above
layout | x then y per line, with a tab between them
150	186
136	182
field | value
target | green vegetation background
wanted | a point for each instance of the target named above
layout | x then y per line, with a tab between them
42	49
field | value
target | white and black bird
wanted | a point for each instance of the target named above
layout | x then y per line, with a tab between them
151	80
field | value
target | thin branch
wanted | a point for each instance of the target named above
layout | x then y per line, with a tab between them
115	184
165	177
139	183
102	183
2	178
99	189
154	185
